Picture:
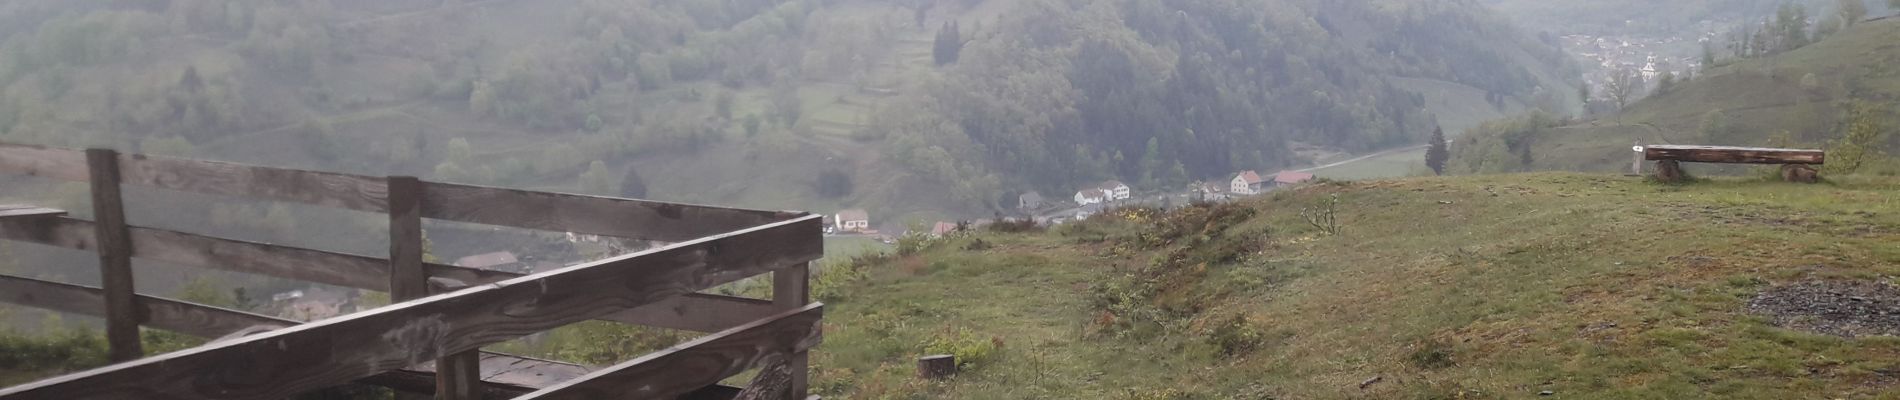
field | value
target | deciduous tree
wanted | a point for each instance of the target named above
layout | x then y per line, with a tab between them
1852	11
1437	151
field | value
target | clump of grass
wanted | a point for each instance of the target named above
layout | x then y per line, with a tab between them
1154	394
971	350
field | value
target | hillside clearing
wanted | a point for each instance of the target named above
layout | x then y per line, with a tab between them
1475	287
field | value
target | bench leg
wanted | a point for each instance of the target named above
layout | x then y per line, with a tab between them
1799	173
1669	171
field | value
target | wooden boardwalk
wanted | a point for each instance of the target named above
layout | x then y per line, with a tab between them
429	342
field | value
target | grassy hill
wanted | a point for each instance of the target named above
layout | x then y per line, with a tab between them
1499	286
1803	93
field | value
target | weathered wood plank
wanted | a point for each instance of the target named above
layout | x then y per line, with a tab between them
19	211
697	312
713	392
458	375
405	275
217	253
772	383
172	315
296	359
55	163
1734	155
348	191
347	270
693	312
693	365
638	219
361	193
791	289
60	232
213	322
115	256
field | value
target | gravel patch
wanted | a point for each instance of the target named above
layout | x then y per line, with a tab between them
1839	308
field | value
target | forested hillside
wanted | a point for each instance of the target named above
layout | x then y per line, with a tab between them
903	106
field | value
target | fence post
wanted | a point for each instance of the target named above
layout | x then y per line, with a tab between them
457	376
115	256
791	289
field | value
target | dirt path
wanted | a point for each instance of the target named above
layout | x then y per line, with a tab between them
1363	158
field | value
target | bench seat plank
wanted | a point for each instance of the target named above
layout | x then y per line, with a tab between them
1733	155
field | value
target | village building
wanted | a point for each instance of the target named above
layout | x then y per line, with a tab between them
1290	178
853	220
1246	183
943	228
1116	191
1209	191
1029	201
1090	196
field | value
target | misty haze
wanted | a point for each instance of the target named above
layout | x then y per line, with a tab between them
949	199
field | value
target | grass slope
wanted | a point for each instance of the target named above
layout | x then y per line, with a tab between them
1755	98
1499	286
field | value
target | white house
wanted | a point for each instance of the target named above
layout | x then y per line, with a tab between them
853	220
1115	191
1248	182
1089	196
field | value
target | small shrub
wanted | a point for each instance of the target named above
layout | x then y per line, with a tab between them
970	349
1236	336
1323	215
1006	225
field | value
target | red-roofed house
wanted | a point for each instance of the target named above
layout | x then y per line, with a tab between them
1290	178
1248	182
943	228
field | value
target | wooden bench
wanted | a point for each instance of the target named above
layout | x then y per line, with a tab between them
1796	164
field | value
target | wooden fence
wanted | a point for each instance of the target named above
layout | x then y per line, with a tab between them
429	342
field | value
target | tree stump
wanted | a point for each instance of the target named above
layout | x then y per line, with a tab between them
1670	171
1799	173
937	367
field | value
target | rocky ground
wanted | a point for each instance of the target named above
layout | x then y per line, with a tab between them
1840	308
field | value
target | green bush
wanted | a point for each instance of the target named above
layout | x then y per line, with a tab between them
1236	336
970	349
57	351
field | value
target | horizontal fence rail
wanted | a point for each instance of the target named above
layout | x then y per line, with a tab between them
214	322
699	363
301	358
421	344
558	212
